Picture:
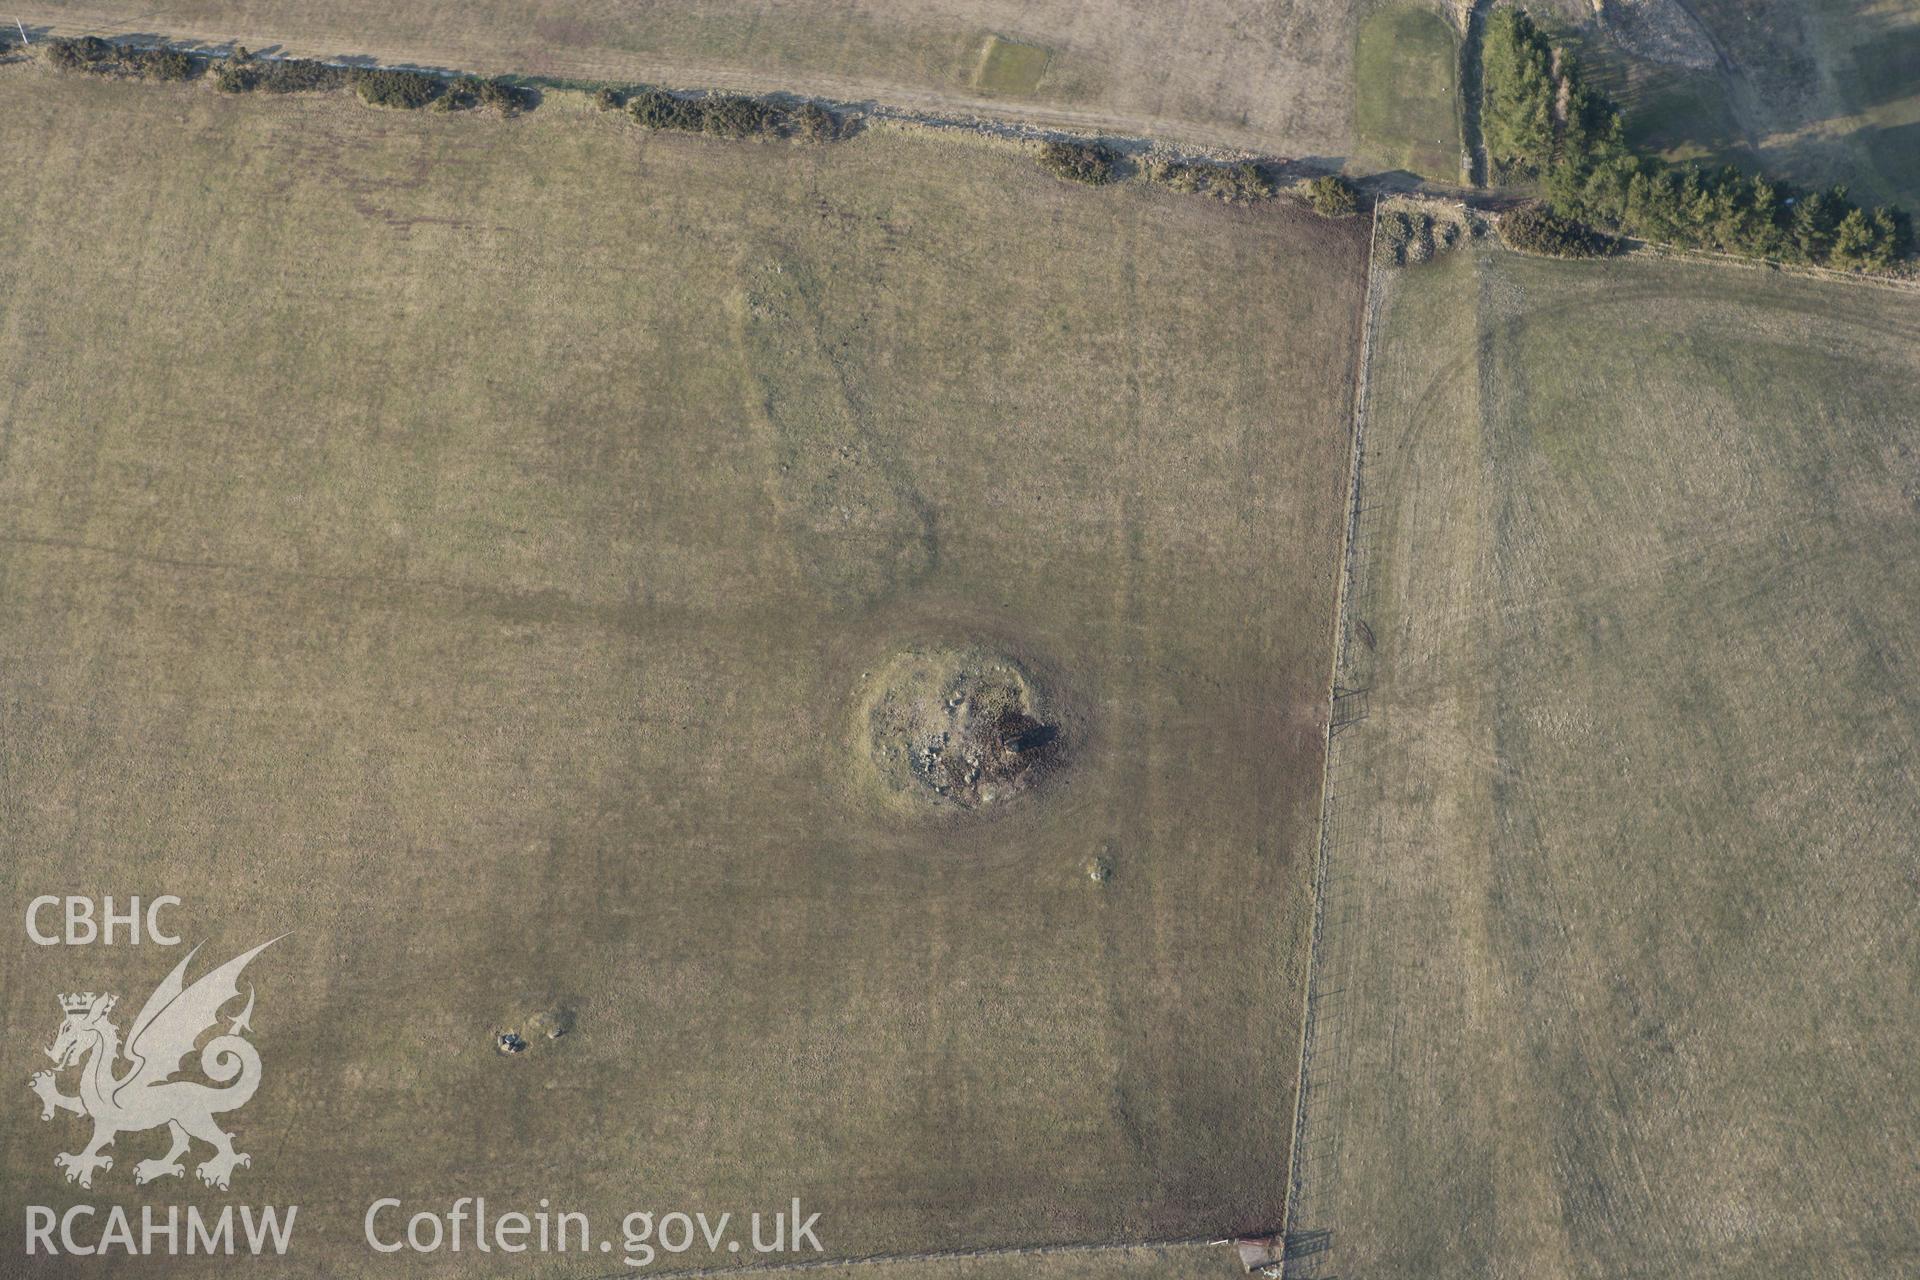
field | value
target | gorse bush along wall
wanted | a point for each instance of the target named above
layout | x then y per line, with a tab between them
811	122
90	53
725	115
468	92
1087	162
729	115
1332	196
658	109
406	90
244	73
1538	229
1540	121
1239	182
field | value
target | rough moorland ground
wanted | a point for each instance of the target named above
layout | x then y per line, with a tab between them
1617	974
1270	76
463	542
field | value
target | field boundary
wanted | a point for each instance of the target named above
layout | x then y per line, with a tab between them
1319	1026
1288	173
1472	80
983	119
1715	257
942	1255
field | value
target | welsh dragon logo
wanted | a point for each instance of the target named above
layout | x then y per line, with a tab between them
145	1095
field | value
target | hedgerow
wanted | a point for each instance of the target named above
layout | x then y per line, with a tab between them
1540	121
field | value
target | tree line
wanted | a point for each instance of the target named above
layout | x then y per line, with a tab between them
1541	122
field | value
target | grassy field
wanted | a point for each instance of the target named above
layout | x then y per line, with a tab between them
466	543
1618	969
1406	90
1822	92
1007	66
1270	75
